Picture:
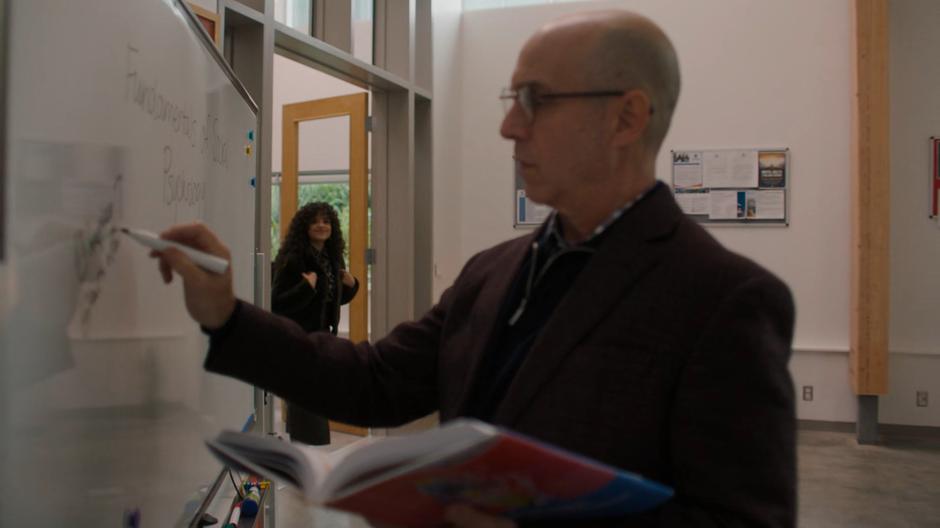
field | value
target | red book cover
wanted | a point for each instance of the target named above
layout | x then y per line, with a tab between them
409	481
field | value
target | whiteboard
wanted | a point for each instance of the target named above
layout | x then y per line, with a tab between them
118	114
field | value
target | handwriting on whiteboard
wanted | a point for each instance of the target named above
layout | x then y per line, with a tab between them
177	187
147	96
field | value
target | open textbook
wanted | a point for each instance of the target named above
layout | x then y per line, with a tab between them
409	480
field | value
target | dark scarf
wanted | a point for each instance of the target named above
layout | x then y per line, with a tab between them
323	262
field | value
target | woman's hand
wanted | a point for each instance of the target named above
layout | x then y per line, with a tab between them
348	280
311	277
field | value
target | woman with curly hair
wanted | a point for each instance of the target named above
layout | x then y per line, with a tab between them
310	282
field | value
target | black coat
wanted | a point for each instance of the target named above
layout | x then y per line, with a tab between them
292	296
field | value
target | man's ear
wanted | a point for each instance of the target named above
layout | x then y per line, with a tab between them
635	109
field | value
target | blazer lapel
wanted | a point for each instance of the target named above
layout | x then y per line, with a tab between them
622	259
484	322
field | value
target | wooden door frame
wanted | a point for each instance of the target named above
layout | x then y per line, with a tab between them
356	107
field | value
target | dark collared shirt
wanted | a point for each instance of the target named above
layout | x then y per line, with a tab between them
544	278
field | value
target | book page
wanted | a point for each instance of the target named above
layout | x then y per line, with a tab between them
389	455
303	466
335	458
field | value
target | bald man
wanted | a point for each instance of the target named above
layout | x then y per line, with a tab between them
619	329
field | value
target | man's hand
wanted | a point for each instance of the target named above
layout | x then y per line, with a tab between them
209	296
311	278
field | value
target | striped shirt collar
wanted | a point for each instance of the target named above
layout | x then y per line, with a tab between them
553	227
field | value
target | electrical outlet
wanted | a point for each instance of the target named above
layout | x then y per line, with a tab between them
807	393
921	398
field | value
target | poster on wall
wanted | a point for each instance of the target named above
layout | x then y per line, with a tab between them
527	214
732	186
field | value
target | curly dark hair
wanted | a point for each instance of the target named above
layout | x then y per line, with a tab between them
297	240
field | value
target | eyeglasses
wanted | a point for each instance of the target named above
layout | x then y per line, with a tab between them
529	98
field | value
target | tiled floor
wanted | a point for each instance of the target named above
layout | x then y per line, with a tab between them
842	484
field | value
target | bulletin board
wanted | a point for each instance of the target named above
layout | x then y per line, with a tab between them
733	186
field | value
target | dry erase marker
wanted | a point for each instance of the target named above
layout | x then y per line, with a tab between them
203	260
236	514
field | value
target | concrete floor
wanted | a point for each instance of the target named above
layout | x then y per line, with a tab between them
86	467
894	484
842	484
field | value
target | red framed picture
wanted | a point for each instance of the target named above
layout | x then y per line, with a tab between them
210	21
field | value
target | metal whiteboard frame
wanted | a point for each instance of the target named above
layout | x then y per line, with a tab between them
4	65
740	222
933	193
210	46
260	403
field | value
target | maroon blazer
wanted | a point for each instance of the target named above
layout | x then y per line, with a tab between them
667	357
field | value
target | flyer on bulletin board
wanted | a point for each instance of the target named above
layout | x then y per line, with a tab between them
772	169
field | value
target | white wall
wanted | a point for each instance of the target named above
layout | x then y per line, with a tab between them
447	122
209	5
324	144
915	240
755	74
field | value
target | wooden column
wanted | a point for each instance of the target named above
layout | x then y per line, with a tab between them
870	203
